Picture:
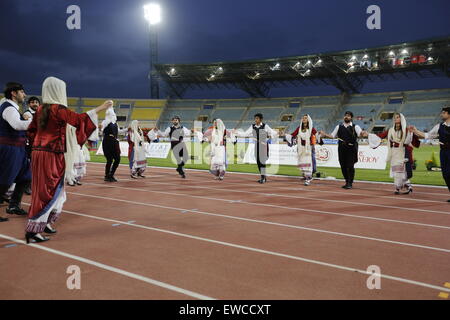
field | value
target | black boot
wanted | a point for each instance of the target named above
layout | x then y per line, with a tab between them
35	237
16	210
262	180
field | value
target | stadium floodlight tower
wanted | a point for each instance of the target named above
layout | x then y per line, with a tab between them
152	13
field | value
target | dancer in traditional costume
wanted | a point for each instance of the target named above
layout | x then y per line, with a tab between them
442	132
111	144
305	139
217	136
33	103
47	132
347	133
14	162
136	150
400	144
177	133
261	133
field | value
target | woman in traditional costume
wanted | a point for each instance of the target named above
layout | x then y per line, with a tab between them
136	150
217	136
48	135
400	143
305	139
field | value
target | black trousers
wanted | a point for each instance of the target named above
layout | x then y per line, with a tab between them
180	153
262	155
348	156
445	165
111	150
17	195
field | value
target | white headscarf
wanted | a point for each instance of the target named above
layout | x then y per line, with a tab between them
217	134
54	91
392	136
137	135
110	117
305	136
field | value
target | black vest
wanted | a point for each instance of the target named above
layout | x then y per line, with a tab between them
111	129
259	133
444	136
348	135
176	135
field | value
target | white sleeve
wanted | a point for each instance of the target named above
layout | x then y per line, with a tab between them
270	132
186	132
335	132
408	138
434	133
152	135
245	134
12	116
164	134
358	130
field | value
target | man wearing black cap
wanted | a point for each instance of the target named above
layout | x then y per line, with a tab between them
347	133
177	133
442	132
14	163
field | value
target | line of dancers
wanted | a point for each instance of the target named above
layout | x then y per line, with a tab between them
46	143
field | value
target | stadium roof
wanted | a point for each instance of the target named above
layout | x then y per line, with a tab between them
345	70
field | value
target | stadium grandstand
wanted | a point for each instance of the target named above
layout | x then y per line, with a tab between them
373	111
348	71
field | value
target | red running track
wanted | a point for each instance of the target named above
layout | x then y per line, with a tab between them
167	238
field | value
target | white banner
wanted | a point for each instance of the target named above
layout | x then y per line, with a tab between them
326	156
152	150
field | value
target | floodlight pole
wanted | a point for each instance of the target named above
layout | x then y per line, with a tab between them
154	79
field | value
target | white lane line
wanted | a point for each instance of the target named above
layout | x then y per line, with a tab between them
266	252
299	197
272	206
113	269
285	176
266	222
204	180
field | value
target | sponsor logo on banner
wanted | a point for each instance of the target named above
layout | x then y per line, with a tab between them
326	156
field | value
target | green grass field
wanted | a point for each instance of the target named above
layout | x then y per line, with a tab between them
421	175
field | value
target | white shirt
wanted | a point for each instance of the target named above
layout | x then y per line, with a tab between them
165	134
12	115
358	129
31	112
249	133
434	133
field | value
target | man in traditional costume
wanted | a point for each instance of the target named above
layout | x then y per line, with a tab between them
14	162
261	133
347	133
33	103
305	139
177	133
111	144
136	150
48	134
442	132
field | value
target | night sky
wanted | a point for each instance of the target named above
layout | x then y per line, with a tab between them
109	56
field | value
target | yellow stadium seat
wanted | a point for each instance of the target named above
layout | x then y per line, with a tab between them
146	113
149	103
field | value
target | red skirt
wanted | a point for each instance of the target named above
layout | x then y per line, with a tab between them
47	189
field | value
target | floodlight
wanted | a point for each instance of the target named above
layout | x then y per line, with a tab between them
152	13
